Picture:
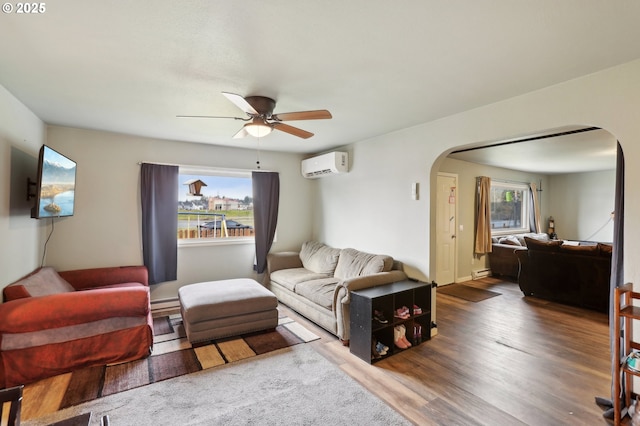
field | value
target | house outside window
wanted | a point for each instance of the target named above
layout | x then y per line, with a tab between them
509	207
214	206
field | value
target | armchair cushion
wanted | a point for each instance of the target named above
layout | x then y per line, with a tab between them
42	282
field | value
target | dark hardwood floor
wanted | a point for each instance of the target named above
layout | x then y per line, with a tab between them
507	360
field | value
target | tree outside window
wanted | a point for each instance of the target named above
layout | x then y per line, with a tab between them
509	207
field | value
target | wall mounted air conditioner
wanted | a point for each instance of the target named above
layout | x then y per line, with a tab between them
325	164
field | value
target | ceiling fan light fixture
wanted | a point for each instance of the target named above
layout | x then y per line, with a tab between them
258	128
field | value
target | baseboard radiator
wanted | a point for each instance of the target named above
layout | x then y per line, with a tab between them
481	273
165	304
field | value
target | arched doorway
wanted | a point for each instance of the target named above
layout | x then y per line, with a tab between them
574	170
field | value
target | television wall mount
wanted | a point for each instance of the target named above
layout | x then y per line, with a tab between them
30	185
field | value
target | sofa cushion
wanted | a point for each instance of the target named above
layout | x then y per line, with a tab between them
535	244
42	282
353	263
318	291
290	278
318	257
589	250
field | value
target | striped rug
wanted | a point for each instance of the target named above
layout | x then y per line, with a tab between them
174	356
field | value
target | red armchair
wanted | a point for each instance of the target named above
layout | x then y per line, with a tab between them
55	323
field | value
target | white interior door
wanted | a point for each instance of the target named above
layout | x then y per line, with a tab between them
446	200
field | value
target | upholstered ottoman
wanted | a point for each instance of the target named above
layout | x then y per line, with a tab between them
215	309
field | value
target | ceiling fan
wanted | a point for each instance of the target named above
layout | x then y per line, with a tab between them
261	120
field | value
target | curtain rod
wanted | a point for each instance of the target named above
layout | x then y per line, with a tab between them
532	138
160	164
505	181
188	166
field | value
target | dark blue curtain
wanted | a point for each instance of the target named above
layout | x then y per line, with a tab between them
266	197
617	264
160	221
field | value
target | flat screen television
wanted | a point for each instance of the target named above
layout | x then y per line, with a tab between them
56	184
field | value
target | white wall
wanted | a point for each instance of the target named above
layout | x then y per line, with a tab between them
352	207
106	230
21	135
581	205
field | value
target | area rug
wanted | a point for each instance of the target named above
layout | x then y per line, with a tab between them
172	356
289	386
466	292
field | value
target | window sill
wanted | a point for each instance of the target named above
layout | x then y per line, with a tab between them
509	232
200	242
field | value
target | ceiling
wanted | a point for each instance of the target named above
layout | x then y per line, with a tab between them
566	150
131	67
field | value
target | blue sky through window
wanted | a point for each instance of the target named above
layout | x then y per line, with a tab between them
223	186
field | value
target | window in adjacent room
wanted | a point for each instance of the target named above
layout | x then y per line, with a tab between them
214	206
509	207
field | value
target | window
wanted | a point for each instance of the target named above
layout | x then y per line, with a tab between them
214	206
509	207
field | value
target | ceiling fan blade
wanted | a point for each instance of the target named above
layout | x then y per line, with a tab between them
211	116
302	115
240	102
292	130
242	133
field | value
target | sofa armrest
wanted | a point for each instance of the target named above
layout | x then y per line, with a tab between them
503	260
367	281
82	279
79	307
342	296
283	260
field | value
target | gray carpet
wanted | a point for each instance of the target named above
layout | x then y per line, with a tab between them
290	386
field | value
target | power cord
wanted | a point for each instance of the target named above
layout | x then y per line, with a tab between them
599	229
44	251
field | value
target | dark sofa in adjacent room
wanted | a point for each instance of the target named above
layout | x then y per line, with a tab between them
503	260
574	274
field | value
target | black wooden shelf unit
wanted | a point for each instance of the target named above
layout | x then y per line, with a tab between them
367	329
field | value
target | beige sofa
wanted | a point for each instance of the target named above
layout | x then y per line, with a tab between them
316	282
